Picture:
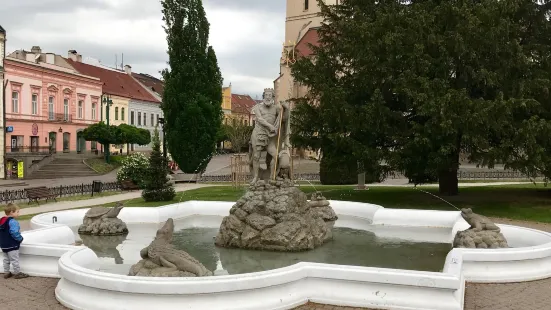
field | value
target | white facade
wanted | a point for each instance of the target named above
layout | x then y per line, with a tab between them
144	115
2	112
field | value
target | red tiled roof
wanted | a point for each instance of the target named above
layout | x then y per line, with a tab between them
114	82
310	37
153	83
242	104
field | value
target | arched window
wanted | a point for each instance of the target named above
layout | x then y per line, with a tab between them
116	113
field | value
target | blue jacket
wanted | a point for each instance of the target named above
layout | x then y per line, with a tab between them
10	235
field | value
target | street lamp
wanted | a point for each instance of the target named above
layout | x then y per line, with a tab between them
108	102
162	122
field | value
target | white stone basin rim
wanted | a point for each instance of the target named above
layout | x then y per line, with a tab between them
284	288
74	266
81	287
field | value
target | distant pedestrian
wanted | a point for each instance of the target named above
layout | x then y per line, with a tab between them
10	241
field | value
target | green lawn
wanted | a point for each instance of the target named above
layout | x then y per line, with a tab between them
521	202
100	166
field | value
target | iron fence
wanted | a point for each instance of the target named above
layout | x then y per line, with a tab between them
59	191
493	175
248	177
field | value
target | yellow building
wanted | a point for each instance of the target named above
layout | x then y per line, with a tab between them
226	102
118	114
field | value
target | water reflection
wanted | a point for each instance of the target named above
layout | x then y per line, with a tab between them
376	248
105	246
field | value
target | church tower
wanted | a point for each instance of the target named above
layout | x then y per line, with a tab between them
301	16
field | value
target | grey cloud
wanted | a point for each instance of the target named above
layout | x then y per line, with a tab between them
18	12
274	6
253	59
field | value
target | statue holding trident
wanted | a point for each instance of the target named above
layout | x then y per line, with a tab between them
270	137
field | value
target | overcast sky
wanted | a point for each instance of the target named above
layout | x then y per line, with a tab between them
246	34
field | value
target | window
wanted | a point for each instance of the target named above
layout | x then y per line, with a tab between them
94	111
34	104
145	119
80	107
157	119
131	117
139	118
65	109
306	5
15	102
152	120
51	108
122	114
117	113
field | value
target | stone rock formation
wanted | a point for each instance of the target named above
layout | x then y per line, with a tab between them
161	259
483	233
277	216
100	221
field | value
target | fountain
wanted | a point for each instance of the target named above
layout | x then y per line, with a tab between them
275	249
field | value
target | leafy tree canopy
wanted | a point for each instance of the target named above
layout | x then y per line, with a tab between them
414	84
120	134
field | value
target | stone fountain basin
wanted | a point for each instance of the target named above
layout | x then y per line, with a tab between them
82	285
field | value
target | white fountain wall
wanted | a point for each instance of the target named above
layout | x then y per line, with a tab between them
81	283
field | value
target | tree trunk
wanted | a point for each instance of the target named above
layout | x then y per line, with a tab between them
448	184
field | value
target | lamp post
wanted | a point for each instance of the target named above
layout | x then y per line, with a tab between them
108	102
162	122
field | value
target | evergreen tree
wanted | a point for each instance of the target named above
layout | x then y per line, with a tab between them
193	86
156	186
415	84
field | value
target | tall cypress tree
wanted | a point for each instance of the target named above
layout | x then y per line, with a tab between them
193	86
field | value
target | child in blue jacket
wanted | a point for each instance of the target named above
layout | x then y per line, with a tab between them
10	241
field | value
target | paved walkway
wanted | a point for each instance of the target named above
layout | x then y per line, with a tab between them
66	205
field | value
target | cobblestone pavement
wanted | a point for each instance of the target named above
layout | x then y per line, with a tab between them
28	294
38	293
313	306
510	296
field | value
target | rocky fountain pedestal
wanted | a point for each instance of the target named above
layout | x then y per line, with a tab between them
483	233
100	221
277	216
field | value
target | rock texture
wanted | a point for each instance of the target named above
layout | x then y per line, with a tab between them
483	233
161	259
100	221
485	239
277	216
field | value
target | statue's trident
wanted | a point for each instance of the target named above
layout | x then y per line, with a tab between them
288	58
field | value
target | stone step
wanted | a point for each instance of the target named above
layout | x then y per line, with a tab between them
47	175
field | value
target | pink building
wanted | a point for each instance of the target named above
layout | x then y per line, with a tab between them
47	104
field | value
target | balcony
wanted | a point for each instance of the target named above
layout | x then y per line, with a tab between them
28	150
60	117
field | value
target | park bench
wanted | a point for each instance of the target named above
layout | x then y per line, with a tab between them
36	193
129	185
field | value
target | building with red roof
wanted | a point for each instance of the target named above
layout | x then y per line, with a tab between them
241	108
133	102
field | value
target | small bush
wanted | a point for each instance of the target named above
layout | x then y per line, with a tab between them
134	167
156	185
